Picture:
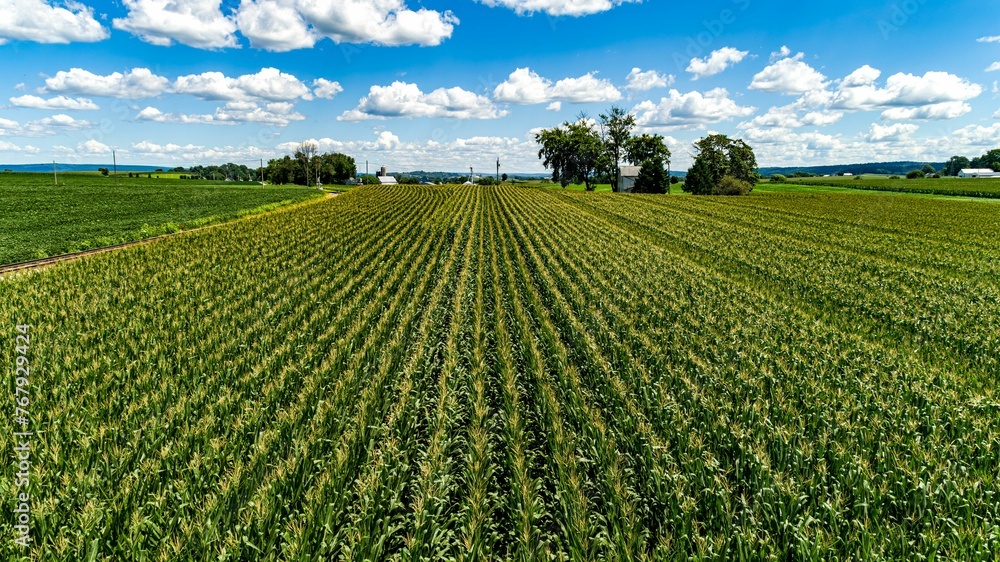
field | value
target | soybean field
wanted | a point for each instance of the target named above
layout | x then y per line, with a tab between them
39	219
499	373
988	188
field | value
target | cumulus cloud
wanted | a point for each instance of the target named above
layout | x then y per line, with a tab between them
41	22
284	25
401	99
11	147
789	76
323	88
278	114
554	106
894	132
639	81
525	87
991	39
716	62
195	23
574	8
781	53
134	84
689	110
57	102
53	125
274	25
93	147
935	95
993	67
269	84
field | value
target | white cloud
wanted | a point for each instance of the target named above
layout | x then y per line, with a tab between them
780	54
993	67
41	22
283	25
554	106
53	125
269	84
278	114
93	147
326	89
195	23
134	84
188	153
11	147
993	39
639	81
894	132
935	95
58	102
525	87
792	116
997	114
575	8
401	99
693	109
274	25
789	76
718	61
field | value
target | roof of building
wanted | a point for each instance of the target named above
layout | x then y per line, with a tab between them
978	171
387	180
630	171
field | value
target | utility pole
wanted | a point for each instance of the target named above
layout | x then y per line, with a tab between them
472	176
55	176
114	159
498	171
262	172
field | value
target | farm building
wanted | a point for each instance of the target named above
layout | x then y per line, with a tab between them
387	180
978	173
626	178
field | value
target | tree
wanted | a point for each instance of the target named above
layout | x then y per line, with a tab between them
955	165
929	170
717	158
574	152
616	135
915	174
990	160
652	177
503	177
647	147
304	154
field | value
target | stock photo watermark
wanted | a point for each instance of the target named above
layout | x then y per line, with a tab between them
22	438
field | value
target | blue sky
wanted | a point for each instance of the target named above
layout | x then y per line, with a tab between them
443	85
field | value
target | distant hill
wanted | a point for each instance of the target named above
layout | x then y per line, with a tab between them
887	168
47	168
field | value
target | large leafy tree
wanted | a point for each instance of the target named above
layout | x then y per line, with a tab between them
718	158
616	134
955	165
574	152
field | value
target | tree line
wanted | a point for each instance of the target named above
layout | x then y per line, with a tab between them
989	160
306	166
587	149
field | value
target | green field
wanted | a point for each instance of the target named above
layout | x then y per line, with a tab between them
965	187
39	219
522	374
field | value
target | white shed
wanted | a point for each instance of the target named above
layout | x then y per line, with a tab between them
388	180
626	178
978	173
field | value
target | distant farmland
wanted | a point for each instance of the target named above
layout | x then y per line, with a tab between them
513	373
964	187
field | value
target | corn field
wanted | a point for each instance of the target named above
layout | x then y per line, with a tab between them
469	373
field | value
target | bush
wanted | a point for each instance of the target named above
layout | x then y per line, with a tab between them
778	178
894	177
936	176
674	180
733	186
857	178
915	174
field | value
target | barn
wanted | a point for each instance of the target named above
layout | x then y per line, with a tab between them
626	178
978	173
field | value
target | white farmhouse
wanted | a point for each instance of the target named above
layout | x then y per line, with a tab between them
626	178
978	173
